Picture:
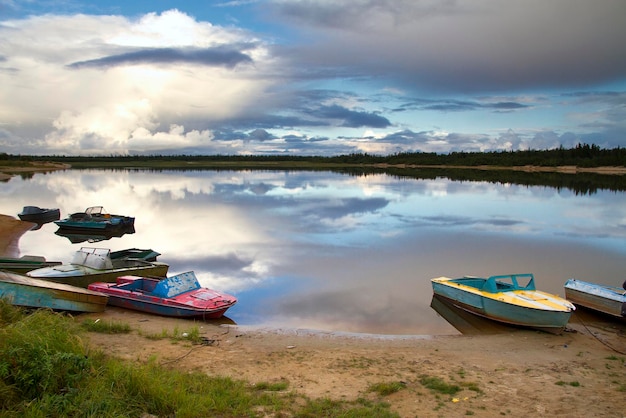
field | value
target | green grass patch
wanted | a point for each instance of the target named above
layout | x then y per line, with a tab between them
46	369
106	327
438	385
562	383
272	386
386	388
192	335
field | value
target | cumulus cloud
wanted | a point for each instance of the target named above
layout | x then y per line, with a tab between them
93	83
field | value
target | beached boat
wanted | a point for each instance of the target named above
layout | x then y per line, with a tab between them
607	299
177	296
99	264
25	263
34	293
39	215
511	299
95	218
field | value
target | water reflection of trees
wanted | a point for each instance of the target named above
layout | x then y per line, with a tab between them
580	183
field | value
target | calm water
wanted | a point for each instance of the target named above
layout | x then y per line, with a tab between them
325	251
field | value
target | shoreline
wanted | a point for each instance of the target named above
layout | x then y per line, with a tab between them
7	172
516	373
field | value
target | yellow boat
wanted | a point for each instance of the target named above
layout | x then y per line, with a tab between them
511	299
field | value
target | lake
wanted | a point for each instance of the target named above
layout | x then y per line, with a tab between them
336	252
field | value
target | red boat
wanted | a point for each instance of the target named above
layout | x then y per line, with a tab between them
178	296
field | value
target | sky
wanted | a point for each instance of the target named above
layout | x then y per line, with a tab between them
310	77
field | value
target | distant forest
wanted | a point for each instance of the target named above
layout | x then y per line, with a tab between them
456	166
583	155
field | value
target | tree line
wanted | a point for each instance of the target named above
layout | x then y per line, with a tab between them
582	155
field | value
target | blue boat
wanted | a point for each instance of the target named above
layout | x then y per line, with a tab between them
39	215
511	299
34	293
610	300
95	218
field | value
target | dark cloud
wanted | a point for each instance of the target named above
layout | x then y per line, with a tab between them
447	105
344	207
351	118
260	135
218	56
483	45
465	221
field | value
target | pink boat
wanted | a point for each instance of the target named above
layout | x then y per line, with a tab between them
177	296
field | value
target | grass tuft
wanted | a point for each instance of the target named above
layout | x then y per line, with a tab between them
437	384
386	388
106	327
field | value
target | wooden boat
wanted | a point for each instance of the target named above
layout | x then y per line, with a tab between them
95	218
25	263
34	293
511	299
177	296
99	264
39	215
607	299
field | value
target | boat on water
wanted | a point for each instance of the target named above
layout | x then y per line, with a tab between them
511	299
25	263
39	215
91	265
95	218
35	293
179	296
610	300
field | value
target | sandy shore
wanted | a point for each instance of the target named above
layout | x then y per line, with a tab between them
521	373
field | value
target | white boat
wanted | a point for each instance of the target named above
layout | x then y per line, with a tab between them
91	265
607	299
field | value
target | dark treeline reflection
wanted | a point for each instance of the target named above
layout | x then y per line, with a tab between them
580	183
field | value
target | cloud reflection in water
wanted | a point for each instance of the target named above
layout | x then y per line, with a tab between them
321	250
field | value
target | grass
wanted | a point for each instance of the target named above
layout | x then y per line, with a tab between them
46	369
106	327
436	384
562	383
386	388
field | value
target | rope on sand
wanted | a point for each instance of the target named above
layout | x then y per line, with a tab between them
596	337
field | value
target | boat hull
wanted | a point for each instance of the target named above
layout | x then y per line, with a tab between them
25	263
158	308
609	300
34	293
533	309
82	276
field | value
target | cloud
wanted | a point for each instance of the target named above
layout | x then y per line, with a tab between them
351	118
218	56
482	45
